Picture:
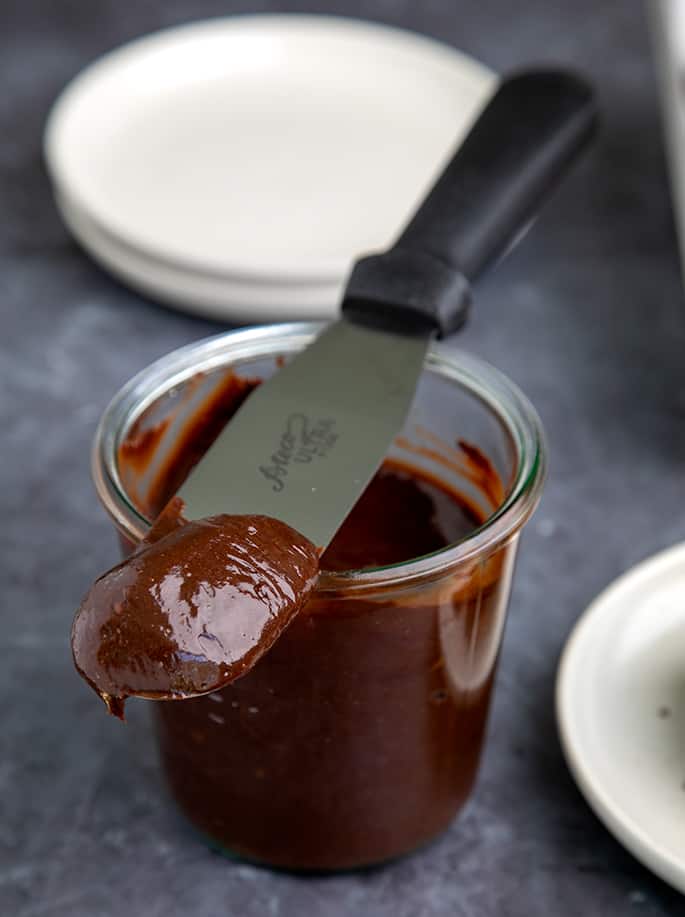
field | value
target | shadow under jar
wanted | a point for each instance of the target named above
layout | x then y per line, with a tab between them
357	737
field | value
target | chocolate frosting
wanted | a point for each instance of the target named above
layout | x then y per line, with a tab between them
193	608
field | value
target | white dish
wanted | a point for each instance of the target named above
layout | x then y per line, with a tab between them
621	711
235	298
266	150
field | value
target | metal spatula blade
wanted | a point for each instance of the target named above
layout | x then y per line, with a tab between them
305	443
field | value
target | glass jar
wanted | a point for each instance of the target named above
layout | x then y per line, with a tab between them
357	737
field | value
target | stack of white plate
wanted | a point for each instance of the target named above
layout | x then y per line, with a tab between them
236	167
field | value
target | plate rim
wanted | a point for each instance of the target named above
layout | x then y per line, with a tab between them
290	24
228	298
661	860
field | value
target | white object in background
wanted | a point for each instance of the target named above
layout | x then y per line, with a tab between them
238	166
667	21
621	711
238	299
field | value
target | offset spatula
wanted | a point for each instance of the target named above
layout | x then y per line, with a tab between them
307	442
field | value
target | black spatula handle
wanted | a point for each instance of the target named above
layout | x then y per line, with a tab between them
522	143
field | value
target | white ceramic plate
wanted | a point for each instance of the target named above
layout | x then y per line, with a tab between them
257	156
238	299
621	711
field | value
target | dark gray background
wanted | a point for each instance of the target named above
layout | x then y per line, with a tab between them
587	316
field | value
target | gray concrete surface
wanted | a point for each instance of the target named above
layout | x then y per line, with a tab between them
587	316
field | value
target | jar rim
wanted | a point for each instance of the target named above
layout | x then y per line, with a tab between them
501	396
